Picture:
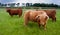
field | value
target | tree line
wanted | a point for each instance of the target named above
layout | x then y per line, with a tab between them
9	4
30	5
45	5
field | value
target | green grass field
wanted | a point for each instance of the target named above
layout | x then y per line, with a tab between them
15	25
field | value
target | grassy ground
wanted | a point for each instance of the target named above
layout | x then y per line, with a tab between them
14	25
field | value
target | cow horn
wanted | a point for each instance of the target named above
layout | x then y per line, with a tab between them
37	17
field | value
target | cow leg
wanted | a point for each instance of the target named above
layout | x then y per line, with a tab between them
20	14
26	21
53	19
11	15
44	26
39	25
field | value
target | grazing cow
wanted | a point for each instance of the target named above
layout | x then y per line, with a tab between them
40	17
51	13
14	11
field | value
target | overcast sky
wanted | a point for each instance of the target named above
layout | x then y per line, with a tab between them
31	1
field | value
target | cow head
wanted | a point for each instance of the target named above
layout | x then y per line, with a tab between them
41	19
8	9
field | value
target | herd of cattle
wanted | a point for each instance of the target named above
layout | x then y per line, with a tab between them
39	16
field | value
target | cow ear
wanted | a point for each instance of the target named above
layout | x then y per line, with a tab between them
37	18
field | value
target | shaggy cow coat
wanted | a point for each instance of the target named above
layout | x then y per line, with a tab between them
51	13
14	11
40	17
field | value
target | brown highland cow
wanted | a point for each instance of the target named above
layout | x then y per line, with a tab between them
37	16
14	11
51	13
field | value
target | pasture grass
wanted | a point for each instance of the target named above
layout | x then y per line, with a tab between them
15	25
